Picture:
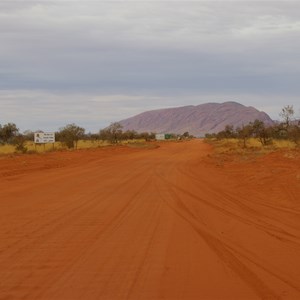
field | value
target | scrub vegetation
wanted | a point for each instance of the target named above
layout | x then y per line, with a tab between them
70	136
257	138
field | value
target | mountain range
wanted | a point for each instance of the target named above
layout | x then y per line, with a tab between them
197	120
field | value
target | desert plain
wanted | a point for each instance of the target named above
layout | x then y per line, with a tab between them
165	222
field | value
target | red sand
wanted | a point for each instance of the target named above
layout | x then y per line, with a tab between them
165	223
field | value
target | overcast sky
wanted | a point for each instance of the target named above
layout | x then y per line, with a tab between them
96	62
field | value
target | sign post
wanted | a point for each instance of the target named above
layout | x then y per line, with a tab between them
44	138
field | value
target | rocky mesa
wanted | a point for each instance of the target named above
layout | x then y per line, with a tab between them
197	120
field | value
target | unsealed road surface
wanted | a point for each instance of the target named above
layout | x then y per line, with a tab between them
165	223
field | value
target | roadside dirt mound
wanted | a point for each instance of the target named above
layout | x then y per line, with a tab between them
165	223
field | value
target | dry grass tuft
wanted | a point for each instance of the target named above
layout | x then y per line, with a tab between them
82	144
284	144
234	150
7	149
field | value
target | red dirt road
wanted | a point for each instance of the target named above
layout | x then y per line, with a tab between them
165	223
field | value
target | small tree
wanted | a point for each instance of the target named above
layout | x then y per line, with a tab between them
261	132
287	114
8	132
129	135
112	133
294	133
20	141
104	135
147	136
70	135
227	133
185	135
244	133
115	130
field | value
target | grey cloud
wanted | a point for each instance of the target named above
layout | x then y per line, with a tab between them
50	111
150	49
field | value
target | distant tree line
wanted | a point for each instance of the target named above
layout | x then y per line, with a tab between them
70	134
114	134
288	129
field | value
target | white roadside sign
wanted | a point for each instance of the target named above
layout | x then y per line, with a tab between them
44	137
